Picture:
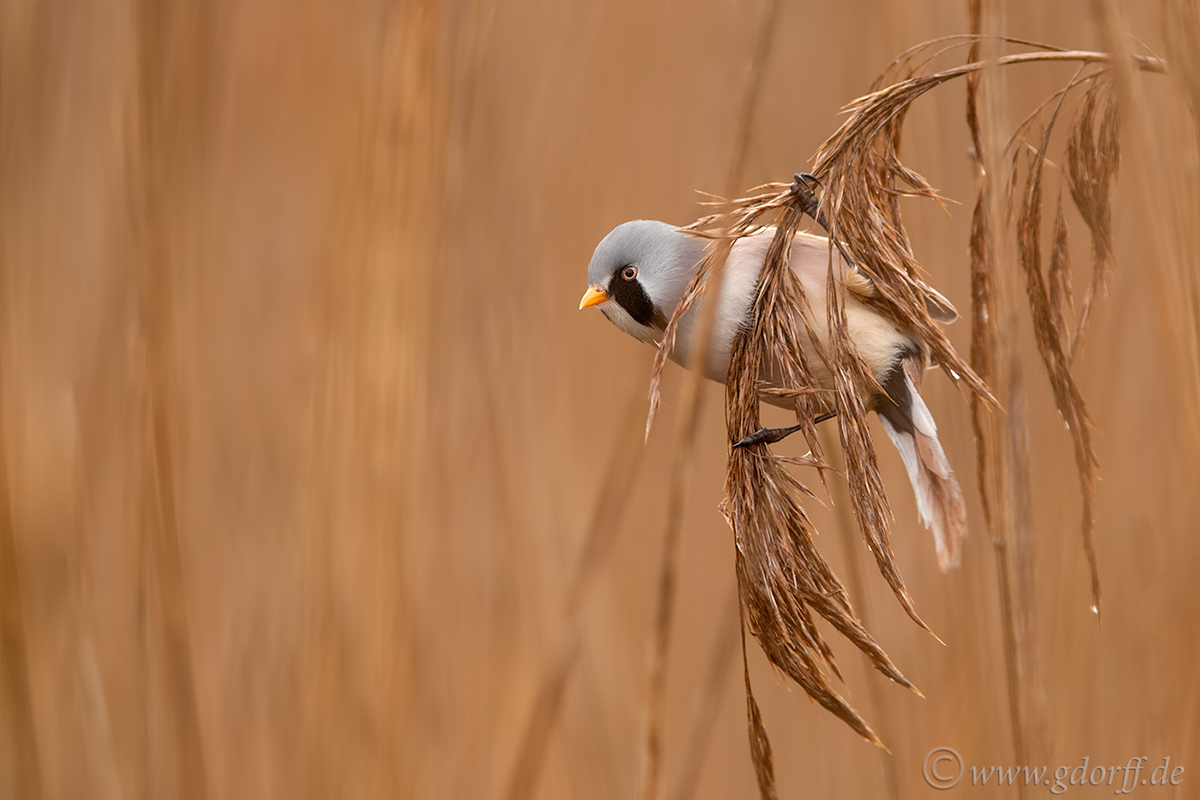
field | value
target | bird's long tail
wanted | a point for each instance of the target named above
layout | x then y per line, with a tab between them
908	422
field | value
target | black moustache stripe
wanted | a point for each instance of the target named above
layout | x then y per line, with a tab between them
632	297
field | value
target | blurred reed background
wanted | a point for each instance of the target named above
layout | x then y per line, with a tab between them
302	435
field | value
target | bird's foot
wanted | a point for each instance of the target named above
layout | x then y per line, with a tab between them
773	435
803	184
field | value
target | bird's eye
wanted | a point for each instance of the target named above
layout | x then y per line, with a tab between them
629	273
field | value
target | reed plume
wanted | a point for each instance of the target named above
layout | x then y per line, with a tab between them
854	192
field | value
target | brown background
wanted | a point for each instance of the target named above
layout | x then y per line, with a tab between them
301	432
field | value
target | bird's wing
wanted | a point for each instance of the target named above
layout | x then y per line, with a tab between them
810	260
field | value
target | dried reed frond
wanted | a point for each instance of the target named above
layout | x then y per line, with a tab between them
782	577
1059	277
760	743
854	192
1048	328
1093	156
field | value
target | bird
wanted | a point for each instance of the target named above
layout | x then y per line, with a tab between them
639	273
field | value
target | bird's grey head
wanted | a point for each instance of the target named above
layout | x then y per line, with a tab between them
638	275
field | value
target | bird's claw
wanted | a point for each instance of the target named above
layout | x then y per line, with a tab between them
802	188
804	181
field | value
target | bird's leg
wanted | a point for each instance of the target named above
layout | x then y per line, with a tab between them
773	435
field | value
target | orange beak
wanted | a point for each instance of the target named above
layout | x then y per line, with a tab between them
592	297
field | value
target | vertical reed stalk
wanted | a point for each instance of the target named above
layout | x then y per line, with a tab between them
1001	440
602	533
174	54
681	471
689	422
1168	192
708	701
20	775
